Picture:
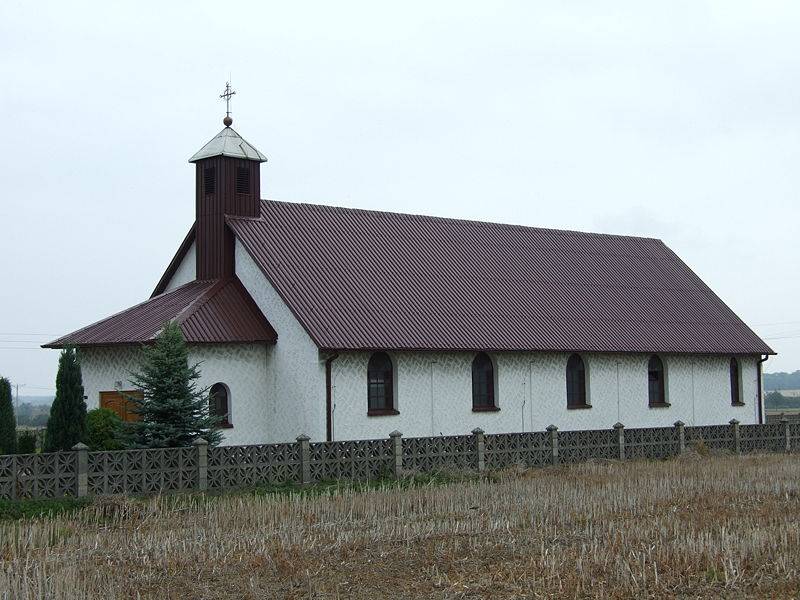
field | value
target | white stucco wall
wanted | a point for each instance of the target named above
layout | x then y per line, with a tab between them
434	394
295	370
186	271
240	366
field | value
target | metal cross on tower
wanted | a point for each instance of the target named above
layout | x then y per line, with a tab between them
227	95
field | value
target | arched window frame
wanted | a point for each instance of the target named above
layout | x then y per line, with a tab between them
657	382
484	383
214	409
381	385
577	380
735	377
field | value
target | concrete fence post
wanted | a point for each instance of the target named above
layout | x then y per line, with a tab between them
201	447
397	453
553	431
82	466
787	436
737	442
679	426
620	429
480	448
304	452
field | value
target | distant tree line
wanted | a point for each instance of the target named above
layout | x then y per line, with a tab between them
782	381
775	400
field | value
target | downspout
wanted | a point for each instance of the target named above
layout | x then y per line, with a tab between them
329	397
761	361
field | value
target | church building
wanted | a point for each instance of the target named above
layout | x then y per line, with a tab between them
349	324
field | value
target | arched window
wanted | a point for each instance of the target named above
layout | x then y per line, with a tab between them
483	383
380	385
576	383
656	389
219	404
736	392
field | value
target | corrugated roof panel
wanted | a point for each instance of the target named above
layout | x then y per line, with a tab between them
362	279
214	311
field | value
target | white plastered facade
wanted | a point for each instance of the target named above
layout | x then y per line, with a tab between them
241	367
434	393
278	392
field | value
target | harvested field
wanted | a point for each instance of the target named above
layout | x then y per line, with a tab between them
695	526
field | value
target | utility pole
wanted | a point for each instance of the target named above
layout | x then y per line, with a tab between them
16	406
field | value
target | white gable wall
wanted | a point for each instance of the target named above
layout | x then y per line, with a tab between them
239	366
295	373
186	271
434	394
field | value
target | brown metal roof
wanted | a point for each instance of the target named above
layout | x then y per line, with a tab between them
360	279
216	311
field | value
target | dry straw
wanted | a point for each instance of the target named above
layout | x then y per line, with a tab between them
719	525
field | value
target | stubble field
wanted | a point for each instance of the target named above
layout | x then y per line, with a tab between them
713	526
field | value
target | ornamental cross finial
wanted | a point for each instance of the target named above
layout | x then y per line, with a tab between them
227	96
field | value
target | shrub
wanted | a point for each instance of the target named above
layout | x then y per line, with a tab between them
172	411
104	430
26	441
8	426
67	424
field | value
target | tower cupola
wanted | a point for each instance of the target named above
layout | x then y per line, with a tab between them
227	182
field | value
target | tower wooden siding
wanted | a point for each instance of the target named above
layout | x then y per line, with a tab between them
215	242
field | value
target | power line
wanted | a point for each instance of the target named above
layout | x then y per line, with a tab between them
33	334
22	348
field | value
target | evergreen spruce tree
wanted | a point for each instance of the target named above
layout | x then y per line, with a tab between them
172	411
8	425
67	424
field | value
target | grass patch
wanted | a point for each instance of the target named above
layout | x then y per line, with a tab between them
11	510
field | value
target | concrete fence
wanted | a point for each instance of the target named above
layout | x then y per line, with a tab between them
200	467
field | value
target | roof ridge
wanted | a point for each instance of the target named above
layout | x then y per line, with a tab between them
198	303
401	215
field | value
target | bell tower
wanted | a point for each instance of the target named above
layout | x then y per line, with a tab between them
227	182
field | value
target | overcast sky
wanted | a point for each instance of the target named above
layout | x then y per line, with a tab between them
677	120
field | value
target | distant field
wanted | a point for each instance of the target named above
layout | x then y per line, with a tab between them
714	526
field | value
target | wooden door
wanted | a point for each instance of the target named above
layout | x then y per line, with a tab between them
121	404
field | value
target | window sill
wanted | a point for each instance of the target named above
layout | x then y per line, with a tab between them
737	403
382	412
485	408
226	425
659	405
579	407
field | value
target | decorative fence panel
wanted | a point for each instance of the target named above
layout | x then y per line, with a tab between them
136	472
654	443
770	437
241	466
580	446
358	460
508	449
26	476
450	452
794	437
82	473
716	437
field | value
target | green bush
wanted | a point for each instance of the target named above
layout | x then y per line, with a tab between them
8	425
104	430
26	441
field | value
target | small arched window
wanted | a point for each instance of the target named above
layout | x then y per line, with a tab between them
483	383
219	404
576	382
736	391
656	389
380	385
